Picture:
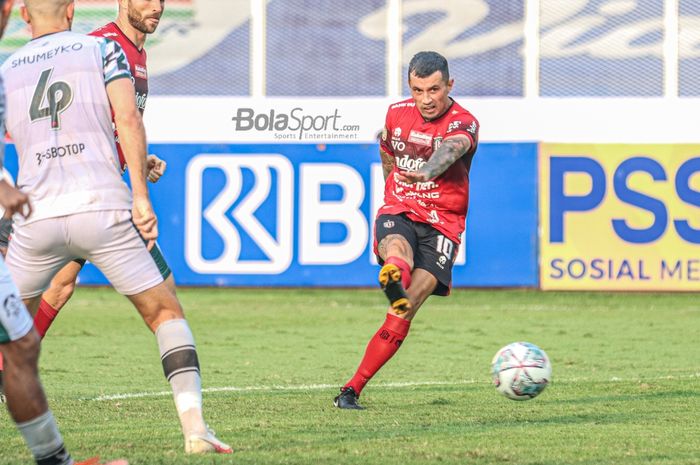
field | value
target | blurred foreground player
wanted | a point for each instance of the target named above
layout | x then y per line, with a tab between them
426	148
61	89
19	342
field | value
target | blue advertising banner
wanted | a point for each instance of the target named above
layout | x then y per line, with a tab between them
302	215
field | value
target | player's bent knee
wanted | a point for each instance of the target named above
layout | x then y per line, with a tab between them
157	305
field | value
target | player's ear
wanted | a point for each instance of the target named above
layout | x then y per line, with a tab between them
25	14
450	83
70	12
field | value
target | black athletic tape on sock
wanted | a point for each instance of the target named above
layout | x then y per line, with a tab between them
60	457
179	360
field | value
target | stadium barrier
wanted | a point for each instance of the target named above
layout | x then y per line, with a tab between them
282	192
301	215
620	217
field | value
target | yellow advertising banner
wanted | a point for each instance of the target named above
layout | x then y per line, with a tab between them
619	217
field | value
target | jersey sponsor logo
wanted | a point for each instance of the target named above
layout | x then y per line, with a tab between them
13	306
398	144
420	138
397	132
433	217
423	195
140	71
453	126
403	105
409	164
59	152
141	100
276	244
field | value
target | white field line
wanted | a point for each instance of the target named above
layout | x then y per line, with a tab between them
320	387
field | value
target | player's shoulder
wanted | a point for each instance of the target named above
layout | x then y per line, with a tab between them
108	31
400	110
458	111
68	41
402	106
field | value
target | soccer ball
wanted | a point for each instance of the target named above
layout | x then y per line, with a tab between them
521	371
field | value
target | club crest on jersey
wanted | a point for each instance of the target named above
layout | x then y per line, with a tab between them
388	224
141	72
472	128
420	138
437	142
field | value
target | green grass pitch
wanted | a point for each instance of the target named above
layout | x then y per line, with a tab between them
625	390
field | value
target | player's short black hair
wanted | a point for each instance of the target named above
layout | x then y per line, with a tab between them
423	64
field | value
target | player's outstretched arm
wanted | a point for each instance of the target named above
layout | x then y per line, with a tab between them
132	138
450	151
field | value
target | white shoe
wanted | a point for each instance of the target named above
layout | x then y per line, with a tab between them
205	444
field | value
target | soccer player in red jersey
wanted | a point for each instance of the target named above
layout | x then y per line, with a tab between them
426	149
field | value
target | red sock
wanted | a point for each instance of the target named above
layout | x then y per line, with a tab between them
380	349
405	270
44	317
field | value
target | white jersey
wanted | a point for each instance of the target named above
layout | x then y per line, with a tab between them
59	117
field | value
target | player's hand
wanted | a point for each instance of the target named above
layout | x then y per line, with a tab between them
14	200
155	167
145	219
410	177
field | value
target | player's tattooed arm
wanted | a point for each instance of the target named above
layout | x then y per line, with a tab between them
387	162
450	151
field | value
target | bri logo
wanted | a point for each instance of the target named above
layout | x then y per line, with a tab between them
276	245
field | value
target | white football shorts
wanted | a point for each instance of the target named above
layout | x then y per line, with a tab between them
108	239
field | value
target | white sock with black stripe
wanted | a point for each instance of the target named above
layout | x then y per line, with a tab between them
181	368
43	439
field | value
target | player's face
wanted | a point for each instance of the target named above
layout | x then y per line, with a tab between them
144	15
431	94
